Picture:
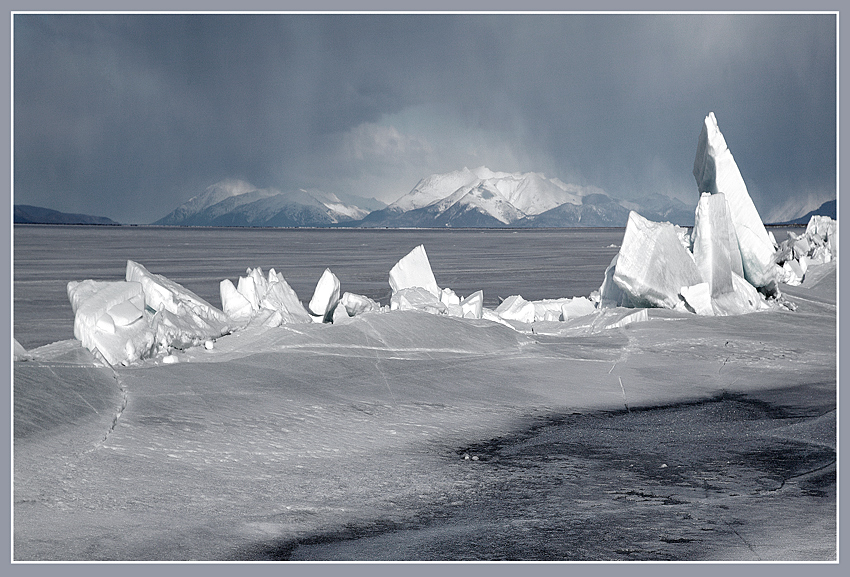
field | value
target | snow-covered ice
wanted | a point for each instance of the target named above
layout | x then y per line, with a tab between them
280	435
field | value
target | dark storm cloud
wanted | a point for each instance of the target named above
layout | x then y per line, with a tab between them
128	116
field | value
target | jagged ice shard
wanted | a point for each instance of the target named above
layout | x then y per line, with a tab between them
414	270
715	171
653	265
325	298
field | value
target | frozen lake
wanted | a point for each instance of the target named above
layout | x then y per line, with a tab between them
409	436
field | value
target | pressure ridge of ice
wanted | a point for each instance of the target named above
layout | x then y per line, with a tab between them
727	265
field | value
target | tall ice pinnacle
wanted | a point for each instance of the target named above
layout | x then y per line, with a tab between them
715	171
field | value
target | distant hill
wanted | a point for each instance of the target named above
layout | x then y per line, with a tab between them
238	203
26	214
829	208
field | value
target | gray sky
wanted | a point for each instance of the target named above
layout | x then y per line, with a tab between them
128	116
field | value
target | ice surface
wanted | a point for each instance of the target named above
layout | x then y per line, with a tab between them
652	265
277	436
325	297
715	171
414	270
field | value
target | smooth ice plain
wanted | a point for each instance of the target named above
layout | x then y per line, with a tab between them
410	436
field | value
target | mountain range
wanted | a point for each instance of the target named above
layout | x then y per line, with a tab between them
829	208
463	198
238	203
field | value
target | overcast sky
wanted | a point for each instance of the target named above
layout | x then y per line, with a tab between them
128	116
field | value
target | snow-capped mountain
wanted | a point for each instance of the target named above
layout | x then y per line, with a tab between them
484	198
238	203
463	198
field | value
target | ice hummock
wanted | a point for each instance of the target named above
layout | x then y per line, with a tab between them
715	171
257	300
181	318
817	246
116	338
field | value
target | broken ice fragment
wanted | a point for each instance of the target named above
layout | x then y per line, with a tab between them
652	265
95	328
743	299
281	298
325	297
448	297
715	171
698	298
473	305
716	251
610	293
235	305
417	299
127	312
19	353
248	289
354	304
414	270
516	308
577	307
164	294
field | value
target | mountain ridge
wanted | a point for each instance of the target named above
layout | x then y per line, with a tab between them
28	214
